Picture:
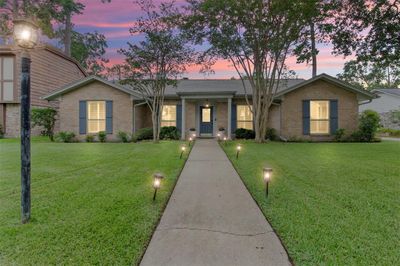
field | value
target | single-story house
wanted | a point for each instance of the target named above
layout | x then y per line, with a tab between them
309	109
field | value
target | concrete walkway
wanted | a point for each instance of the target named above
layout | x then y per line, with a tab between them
211	219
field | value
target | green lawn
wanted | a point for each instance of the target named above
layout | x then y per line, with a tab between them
91	202
332	203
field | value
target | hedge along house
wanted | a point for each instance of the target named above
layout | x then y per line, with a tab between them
308	109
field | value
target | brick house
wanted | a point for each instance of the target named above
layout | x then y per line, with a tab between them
308	109
50	69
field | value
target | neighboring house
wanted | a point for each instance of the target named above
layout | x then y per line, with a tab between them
388	100
308	109
50	69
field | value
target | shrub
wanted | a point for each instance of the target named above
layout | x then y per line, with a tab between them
123	136
390	132
271	134
65	136
102	136
242	133
339	134
368	125
144	133
89	138
395	116
45	117
169	133
1	131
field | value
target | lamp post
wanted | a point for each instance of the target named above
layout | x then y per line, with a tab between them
183	149
267	173
157	183
26	37
238	149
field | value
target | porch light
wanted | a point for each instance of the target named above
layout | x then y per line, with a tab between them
238	149
183	149
25	33
267	173
157	183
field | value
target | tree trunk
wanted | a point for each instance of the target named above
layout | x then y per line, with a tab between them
67	35
313	50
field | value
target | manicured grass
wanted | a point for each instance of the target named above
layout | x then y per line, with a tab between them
91	202
332	203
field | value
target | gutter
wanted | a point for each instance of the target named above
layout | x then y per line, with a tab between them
365	102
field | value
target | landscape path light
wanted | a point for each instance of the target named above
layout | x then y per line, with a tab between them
26	35
157	183
190	140
238	149
267	174
183	149
225	140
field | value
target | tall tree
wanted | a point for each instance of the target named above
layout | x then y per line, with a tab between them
256	36
158	60
89	50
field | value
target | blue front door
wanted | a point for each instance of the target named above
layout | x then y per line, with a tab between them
206	120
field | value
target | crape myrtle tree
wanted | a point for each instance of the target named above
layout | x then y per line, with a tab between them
256	36
158	60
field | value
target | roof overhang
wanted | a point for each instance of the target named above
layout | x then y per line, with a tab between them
82	82
207	95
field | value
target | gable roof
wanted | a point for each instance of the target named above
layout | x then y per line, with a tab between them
85	81
332	80
391	92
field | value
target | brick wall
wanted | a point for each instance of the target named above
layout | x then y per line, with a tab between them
122	108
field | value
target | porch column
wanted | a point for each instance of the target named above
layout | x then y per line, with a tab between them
183	130
229	117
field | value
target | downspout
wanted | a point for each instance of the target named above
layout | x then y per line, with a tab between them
134	114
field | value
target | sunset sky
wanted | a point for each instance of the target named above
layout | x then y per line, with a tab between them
114	19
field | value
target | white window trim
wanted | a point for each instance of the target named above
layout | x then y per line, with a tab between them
318	120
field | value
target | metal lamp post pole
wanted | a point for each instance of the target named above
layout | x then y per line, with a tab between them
25	138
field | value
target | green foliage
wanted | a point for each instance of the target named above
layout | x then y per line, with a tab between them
271	134
389	131
1	131
242	133
102	135
339	134
46	118
123	136
368	125
395	116
65	136
89	138
144	134
169	133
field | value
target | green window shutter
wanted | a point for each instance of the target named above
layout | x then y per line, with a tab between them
109	117
306	117
333	116
82	117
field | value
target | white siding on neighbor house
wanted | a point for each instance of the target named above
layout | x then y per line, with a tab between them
383	104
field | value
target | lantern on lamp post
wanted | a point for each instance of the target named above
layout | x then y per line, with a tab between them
267	173
26	35
157	183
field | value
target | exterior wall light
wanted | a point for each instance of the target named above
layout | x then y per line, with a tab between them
157	183
183	149
26	36
267	174
238	149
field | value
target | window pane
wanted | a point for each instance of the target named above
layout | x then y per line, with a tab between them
319	127
96	110
319	109
206	115
8	91
244	113
95	126
245	124
169	113
8	68
168	124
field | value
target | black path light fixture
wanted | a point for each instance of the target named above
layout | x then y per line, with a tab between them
26	35
267	173
224	140
238	149
190	140
157	183
183	149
